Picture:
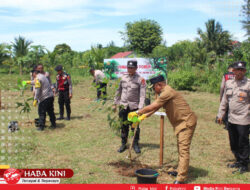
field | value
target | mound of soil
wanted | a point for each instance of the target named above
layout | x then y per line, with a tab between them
127	168
87	116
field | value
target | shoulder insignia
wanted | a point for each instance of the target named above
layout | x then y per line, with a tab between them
143	81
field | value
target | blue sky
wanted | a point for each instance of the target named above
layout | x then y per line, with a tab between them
82	23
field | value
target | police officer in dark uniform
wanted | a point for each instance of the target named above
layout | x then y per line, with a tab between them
64	87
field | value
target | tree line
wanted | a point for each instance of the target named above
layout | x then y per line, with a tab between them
206	58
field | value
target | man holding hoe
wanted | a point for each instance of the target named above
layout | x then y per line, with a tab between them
182	118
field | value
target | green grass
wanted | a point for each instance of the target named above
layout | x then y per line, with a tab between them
88	146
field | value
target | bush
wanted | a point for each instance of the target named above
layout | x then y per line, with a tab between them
181	80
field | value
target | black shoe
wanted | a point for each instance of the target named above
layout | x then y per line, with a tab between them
178	182
40	128
137	148
234	165
122	148
52	127
173	173
60	118
241	170
67	118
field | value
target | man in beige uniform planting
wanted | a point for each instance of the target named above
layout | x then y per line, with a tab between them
182	118
237	98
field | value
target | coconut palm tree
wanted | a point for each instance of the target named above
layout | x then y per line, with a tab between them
20	49
215	38
3	52
246	15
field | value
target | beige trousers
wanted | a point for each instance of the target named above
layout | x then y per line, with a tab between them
184	139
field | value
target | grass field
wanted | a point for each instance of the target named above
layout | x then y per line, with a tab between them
88	146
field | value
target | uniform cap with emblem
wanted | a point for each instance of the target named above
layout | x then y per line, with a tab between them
59	68
132	64
240	65
156	79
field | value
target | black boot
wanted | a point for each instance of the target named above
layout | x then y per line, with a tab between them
234	165
68	117
241	170
173	173
53	126
136	147
40	128
123	147
60	118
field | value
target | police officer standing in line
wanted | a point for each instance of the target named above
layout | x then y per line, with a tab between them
182	118
227	76
64	87
130	95
237	98
101	86
45	97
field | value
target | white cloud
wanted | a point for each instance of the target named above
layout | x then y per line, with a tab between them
55	16
229	8
38	5
239	36
27	11
78	39
212	8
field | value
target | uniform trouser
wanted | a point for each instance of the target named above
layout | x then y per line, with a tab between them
184	139
123	115
64	99
102	90
46	105
239	142
225	119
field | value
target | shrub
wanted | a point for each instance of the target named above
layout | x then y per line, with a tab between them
181	80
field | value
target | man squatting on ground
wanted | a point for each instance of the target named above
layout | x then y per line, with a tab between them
64	87
130	96
236	98
45	98
182	118
99	76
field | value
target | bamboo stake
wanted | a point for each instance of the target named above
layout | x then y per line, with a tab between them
161	139
0	100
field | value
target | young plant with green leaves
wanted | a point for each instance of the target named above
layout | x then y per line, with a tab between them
24	105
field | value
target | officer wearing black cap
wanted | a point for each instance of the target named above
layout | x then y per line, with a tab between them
182	118
130	96
236	98
64	87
